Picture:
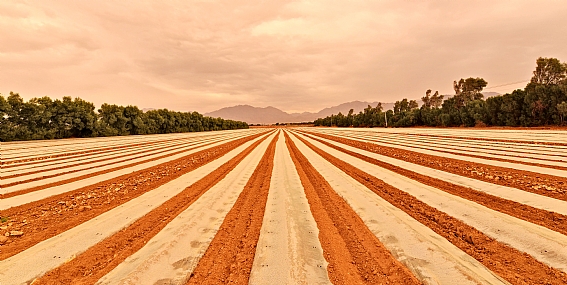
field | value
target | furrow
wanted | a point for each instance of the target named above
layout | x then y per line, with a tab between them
171	255
288	250
539	183
24	181
525	136
49	217
557	168
230	255
513	265
54	186
103	248
548	212
23	175
468	152
520	150
354	254
50	164
39	155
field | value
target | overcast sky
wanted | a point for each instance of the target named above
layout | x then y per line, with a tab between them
293	55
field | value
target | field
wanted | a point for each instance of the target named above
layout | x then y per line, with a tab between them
287	206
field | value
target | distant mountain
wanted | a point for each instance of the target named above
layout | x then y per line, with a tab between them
252	115
271	115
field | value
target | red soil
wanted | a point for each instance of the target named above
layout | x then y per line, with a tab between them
550	220
101	258
354	253
539	183
448	150
35	160
230	255
46	218
511	264
132	155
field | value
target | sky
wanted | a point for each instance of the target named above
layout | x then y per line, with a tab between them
294	55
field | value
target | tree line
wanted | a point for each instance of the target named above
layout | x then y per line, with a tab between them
44	118
542	102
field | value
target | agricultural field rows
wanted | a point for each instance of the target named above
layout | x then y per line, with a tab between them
287	206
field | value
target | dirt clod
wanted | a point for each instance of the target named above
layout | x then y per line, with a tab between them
16	233
469	239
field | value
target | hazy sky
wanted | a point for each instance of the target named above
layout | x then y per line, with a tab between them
294	55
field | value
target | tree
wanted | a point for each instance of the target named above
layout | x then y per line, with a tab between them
545	90
84	118
427	99
541	102
112	120
397	108
473	113
43	118
6	127
436	100
432	101
135	120
549	71
350	117
467	90
562	110
21	117
404	105
412	105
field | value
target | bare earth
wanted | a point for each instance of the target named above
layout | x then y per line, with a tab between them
288	206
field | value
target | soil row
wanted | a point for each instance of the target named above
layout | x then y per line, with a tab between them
548	219
486	139
35	160
539	183
230	255
354	253
509	263
101	258
486	157
93	174
129	156
46	218
509	149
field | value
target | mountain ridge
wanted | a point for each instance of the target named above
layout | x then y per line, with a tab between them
272	115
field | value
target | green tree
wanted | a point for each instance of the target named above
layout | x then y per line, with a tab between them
544	92
427	99
135	123
436	100
549	71
6	127
412	105
562	110
112	121
467	90
350	117
80	120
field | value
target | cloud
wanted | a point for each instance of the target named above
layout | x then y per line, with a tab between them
294	55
